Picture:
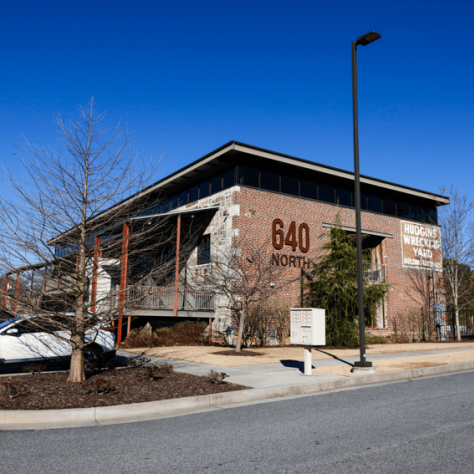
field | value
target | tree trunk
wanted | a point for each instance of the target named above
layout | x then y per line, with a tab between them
241	331
458	326
76	371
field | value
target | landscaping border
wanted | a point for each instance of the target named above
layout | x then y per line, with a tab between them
82	417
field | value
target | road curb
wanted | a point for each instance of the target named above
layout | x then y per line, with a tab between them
82	417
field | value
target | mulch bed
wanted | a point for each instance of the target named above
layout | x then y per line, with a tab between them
46	391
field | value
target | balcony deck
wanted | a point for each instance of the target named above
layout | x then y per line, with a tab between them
160	302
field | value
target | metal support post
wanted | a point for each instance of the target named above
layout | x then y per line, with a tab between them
308	362
59	277
210	330
17	287
5	292
123	280
95	270
176	281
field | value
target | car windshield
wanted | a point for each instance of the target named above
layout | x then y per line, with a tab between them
6	323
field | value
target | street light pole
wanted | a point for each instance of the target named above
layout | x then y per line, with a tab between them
363	365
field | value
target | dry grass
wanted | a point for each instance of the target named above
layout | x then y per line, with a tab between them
405	363
271	355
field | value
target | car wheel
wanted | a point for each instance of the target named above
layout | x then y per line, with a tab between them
92	359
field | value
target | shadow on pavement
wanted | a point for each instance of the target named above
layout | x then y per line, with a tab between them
334	357
294	364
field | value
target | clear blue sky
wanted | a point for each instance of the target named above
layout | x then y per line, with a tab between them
190	76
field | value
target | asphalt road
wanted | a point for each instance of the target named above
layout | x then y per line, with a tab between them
421	426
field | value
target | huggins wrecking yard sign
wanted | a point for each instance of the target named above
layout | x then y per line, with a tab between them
421	246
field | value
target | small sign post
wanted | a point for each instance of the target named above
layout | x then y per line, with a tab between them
308	328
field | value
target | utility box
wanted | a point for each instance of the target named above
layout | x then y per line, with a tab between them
308	326
439	314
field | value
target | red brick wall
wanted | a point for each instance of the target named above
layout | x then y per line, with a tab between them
259	208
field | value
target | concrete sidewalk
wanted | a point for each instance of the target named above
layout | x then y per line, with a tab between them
285	373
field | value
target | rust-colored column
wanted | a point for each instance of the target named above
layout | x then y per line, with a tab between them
5	291
95	270
210	330
176	280
17	287
123	280
31	286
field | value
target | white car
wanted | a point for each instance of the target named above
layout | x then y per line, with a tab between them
22	342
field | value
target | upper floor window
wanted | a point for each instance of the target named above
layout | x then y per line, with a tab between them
375	204
270	181
309	189
216	184
249	176
326	193
204	250
344	197
289	185
204	189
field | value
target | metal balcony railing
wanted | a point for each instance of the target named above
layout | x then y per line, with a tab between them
374	272
145	297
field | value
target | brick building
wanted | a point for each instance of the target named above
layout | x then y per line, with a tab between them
248	193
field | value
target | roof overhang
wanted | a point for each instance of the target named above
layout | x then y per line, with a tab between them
291	161
203	164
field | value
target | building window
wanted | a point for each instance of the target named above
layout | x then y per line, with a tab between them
216	184
249	176
416	213
326	193
309	189
204	250
204	190
183	198
430	216
344	197
193	194
363	201
389	207
270	181
375	204
165	205
289	185
403	210
173	202
229	179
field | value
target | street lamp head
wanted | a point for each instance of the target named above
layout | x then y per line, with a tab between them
364	40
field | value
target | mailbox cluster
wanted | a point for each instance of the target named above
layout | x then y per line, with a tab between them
308	326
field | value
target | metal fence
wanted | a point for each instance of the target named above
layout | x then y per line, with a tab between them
466	322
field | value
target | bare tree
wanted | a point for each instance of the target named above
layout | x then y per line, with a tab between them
421	292
458	251
77	229
245	275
